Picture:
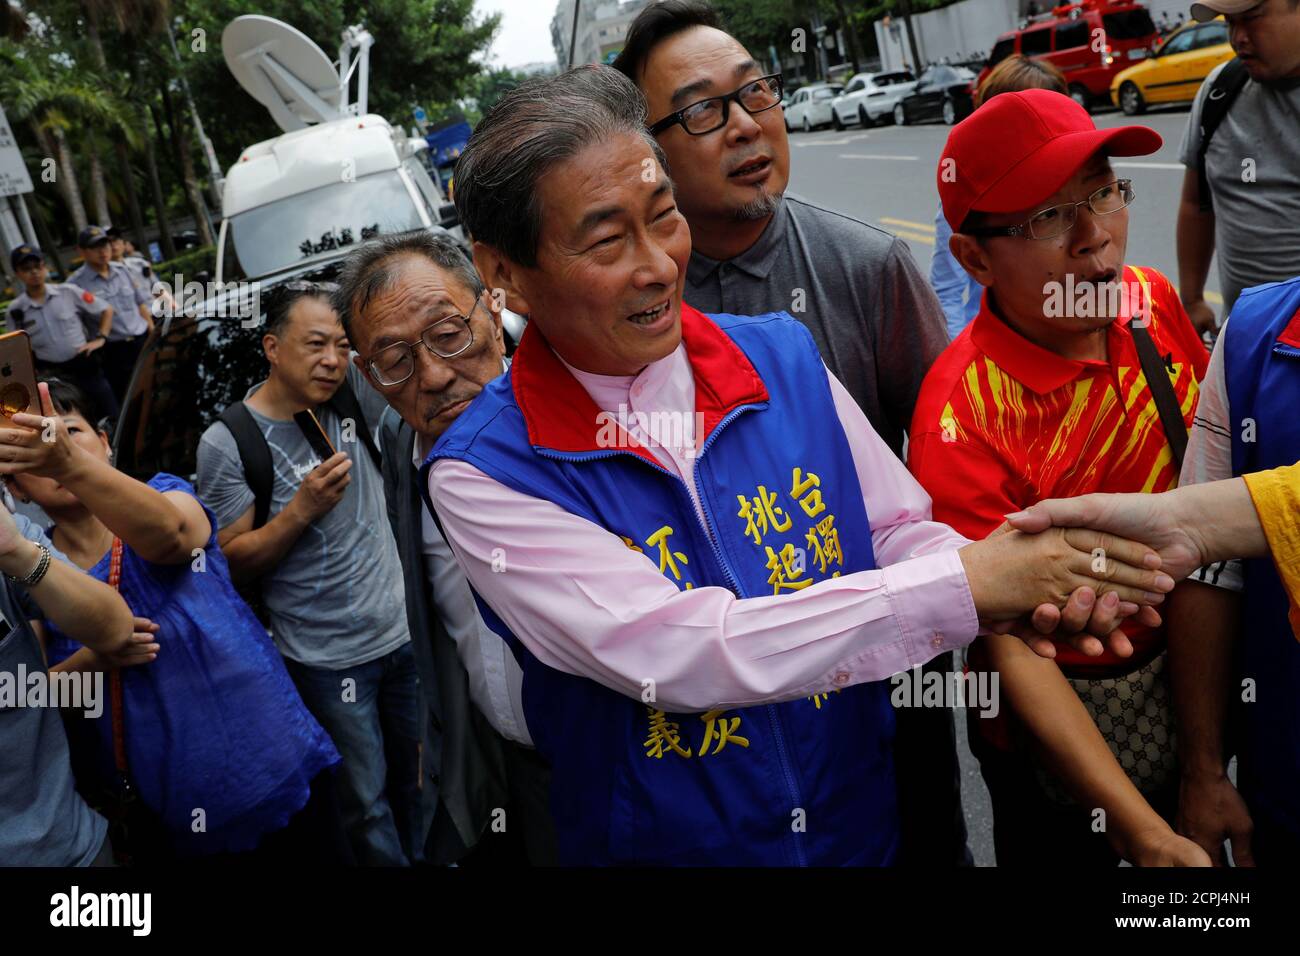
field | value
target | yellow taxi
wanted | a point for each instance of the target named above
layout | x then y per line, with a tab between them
1175	70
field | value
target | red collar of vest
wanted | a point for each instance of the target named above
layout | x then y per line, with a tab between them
560	415
1291	334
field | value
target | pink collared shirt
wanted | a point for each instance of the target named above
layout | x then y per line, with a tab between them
586	604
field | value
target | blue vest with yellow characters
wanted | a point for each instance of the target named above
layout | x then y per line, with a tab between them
805	782
1261	352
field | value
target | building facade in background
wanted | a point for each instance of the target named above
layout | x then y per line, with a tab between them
538	68
602	27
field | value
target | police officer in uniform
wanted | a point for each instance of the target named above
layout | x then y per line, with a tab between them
132	319
125	253
67	325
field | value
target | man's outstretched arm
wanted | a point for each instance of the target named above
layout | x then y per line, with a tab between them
1188	527
586	604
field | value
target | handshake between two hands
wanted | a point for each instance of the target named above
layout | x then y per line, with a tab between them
1064	570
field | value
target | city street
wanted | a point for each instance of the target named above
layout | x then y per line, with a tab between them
353	400
886	176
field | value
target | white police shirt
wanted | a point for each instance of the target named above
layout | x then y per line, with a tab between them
120	290
60	323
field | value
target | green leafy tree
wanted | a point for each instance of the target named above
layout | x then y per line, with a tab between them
57	103
759	24
85	78
489	87
426	52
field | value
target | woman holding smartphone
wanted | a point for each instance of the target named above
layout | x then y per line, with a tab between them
216	739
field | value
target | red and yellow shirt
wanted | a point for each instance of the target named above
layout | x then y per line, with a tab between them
1002	423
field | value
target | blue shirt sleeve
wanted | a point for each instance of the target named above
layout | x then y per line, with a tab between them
948	278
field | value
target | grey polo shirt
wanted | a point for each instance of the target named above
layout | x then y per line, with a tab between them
59	323
876	321
120	291
1253	167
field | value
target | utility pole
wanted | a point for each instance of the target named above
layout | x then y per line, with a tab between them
917	65
573	37
851	33
214	170
819	32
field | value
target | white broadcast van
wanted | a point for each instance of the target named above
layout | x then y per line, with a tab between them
337	176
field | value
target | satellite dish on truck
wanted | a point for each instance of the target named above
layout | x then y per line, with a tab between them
285	71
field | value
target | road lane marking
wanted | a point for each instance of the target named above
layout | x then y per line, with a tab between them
1149	165
1214	297
836	141
877	156
915	237
919	226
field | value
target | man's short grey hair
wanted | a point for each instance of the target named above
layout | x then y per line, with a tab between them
538	124
370	270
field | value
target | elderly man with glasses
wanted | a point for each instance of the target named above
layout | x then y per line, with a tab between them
1079	374
428	338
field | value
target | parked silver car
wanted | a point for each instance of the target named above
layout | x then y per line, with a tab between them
869	98
811	107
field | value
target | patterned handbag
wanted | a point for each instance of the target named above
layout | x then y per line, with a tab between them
1133	714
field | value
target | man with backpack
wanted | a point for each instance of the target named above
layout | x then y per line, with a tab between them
1243	168
300	504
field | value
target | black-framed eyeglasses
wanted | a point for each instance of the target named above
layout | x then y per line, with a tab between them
704	116
1057	220
448	337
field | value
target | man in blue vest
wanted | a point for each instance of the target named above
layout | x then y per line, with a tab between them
1227	653
703	557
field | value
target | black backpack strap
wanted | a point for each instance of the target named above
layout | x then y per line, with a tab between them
1214	108
346	405
1162	391
255	455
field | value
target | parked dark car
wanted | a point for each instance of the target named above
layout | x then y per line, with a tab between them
191	369
187	240
943	92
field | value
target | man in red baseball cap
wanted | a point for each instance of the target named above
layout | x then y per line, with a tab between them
1046	395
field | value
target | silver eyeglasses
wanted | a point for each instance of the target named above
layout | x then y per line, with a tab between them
448	337
1057	220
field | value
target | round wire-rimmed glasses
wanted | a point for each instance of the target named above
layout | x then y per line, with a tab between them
448	337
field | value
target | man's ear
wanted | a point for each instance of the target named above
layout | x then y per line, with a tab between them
494	313
365	370
972	257
498	272
270	347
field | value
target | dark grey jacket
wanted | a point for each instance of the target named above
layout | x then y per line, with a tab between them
463	765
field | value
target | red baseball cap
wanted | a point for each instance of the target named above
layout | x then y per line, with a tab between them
1019	148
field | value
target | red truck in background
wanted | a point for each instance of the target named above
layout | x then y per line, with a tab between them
1089	42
